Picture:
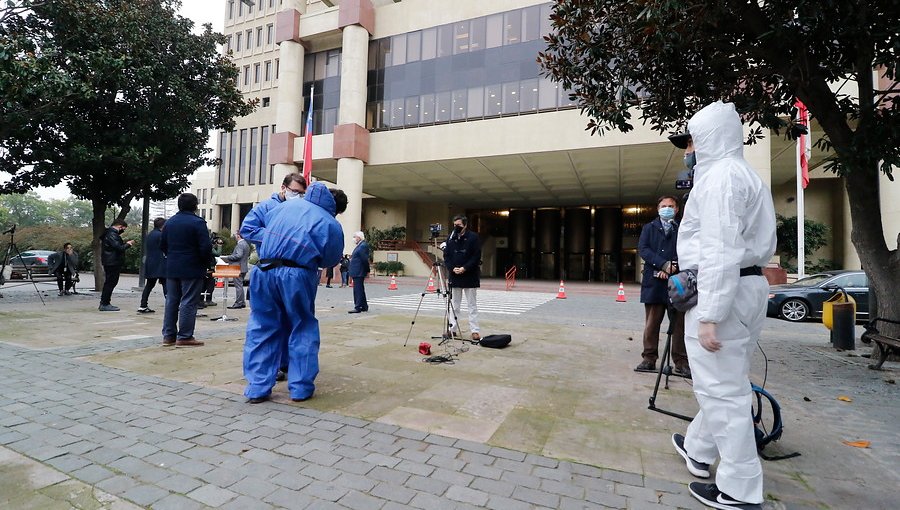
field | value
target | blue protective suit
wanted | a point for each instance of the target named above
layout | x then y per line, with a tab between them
253	227
302	233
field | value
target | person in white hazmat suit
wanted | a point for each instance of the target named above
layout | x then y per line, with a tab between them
727	236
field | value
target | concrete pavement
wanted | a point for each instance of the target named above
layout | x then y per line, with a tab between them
556	420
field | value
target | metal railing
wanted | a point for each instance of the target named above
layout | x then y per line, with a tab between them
511	278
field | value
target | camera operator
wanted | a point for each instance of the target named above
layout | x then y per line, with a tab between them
657	249
462	257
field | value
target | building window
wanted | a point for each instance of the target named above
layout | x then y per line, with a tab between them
232	159
263	153
223	140
246	75
237	42
240	8
231	9
249	34
228	44
259	39
267	73
265	102
242	157
270	33
256	72
277	67
251	177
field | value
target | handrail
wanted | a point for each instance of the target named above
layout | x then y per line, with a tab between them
511	278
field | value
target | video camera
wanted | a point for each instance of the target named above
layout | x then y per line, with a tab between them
435	230
684	180
217	239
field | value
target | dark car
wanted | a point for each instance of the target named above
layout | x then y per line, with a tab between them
34	260
803	299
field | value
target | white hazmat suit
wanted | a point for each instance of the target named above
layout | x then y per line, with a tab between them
729	224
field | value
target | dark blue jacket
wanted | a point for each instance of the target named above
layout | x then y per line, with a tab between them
463	251
656	248
187	246
154	259
359	260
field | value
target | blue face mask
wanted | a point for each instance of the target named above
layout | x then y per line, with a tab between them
667	213
690	160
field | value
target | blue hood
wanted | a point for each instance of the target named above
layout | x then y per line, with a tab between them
320	195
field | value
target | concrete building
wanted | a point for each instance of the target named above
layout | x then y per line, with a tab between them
425	108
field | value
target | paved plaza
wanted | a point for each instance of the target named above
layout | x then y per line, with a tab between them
94	413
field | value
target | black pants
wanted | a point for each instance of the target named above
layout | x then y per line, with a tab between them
209	286
359	294
64	276
148	288
112	279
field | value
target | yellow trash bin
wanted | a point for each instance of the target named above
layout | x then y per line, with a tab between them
838	298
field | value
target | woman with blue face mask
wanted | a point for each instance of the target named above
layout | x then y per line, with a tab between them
657	249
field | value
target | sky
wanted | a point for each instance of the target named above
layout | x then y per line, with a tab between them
200	11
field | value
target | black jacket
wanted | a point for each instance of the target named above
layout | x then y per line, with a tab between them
154	258
463	251
112	248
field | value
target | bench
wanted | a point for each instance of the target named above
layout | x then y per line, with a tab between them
888	345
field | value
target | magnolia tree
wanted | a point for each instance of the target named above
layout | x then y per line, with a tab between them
658	62
113	97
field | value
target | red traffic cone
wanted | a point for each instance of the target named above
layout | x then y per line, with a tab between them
562	290
220	284
430	287
620	295
351	282
393	285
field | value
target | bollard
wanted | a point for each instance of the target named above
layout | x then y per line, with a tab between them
843	333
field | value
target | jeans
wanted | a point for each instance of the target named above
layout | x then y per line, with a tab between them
345	278
182	297
112	279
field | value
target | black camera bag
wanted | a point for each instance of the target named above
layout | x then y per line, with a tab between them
495	341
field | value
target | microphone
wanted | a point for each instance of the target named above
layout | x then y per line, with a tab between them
11	230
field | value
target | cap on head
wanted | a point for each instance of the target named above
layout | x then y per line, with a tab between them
680	140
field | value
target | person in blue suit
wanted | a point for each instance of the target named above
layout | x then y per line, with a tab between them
154	265
300	236
359	268
253	228
188	251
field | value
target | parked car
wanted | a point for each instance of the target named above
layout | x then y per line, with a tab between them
34	260
803	299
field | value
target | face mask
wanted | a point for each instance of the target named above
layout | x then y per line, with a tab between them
290	194
667	213
457	229
690	160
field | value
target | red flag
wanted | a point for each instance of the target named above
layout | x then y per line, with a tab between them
803	143
307	141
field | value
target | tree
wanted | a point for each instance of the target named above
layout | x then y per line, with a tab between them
664	60
146	93
24	210
815	237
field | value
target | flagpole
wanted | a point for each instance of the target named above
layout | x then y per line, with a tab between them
801	220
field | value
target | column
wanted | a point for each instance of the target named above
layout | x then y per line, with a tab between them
235	221
351	138
289	101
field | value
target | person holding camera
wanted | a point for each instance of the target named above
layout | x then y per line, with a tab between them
462	257
112	257
345	270
657	247
64	265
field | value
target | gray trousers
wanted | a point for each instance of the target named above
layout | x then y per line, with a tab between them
239	290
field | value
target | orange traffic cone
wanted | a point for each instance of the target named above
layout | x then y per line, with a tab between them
430	287
220	284
562	290
620	295
351	282
393	285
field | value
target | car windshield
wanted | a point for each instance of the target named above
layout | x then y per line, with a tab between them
812	281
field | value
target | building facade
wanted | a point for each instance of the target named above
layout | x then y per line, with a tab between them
423	109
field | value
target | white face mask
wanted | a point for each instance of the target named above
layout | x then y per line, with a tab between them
290	194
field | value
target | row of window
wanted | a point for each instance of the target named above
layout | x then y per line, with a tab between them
259	72
244	157
202	196
245	40
246	6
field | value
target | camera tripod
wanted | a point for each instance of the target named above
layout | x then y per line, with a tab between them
437	270
665	367
10	250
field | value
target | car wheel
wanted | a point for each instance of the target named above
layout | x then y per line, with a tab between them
794	310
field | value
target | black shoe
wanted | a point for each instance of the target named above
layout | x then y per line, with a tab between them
145	309
300	399
258	400
684	371
281	375
646	366
236	307
108	308
698	469
710	495
354	311
328	286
